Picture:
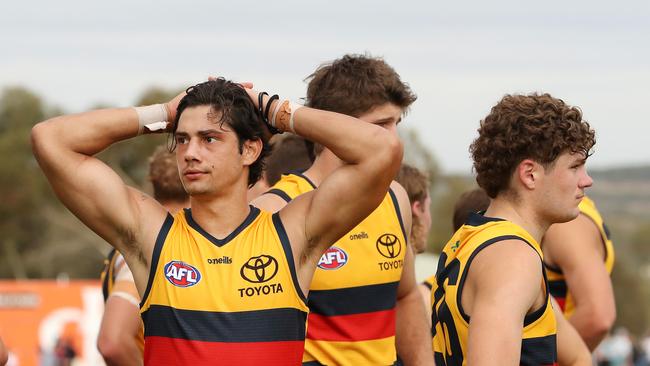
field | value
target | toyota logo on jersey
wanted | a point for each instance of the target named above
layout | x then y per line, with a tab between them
181	274
333	258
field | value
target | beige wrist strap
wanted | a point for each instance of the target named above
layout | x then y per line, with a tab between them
152	118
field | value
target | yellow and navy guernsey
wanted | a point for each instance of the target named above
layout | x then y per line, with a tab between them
353	294
108	274
231	301
450	328
108	281
556	279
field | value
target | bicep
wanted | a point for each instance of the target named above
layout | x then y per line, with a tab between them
578	251
339	204
497	301
97	195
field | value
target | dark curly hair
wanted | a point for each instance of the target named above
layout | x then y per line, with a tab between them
237	111
537	127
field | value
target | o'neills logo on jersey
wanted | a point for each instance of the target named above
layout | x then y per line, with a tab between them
259	270
333	258
181	274
389	246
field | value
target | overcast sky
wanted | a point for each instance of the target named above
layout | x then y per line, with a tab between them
460	58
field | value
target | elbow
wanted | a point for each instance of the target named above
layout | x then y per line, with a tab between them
39	136
109	347
599	324
392	152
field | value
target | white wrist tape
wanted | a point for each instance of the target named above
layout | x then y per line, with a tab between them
153	118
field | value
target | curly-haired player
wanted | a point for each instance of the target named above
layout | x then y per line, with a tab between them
491	303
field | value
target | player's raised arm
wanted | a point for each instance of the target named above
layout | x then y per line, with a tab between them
349	194
65	147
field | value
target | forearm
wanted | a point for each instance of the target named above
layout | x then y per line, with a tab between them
413	335
349	138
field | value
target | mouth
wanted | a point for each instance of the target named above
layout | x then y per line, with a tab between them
193	174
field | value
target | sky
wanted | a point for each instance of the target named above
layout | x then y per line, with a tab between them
460	58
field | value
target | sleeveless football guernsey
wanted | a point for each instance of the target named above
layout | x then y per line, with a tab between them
353	294
231	301
450	323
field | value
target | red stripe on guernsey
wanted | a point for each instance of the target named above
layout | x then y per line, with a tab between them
561	301
354	327
174	351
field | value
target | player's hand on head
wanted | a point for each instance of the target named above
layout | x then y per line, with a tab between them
172	106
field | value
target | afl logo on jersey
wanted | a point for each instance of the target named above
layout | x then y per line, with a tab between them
333	258
181	274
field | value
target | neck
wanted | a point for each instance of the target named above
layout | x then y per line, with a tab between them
326	163
222	214
518	212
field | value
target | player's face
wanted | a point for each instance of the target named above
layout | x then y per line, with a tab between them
207	152
564	187
387	115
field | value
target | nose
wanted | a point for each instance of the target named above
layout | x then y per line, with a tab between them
586	181
191	151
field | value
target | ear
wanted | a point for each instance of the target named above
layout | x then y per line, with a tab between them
251	150
417	209
528	173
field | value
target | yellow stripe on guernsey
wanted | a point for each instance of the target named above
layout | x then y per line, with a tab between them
353	294
108	281
451	324
232	301
557	282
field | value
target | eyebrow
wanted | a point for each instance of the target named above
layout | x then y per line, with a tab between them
201	133
388	119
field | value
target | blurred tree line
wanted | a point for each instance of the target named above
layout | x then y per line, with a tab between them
41	239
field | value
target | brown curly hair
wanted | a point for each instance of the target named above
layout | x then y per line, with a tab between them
537	127
163	174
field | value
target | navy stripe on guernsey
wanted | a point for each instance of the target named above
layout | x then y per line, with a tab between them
254	212
280	193
155	256
306	179
534	351
284	239
427	285
558	288
244	326
353	300
398	362
397	211
529	318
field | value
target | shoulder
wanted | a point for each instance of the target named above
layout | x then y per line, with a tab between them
270	202
571	239
402	198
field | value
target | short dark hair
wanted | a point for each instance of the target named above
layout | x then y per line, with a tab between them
237	111
163	174
472	201
537	127
289	154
